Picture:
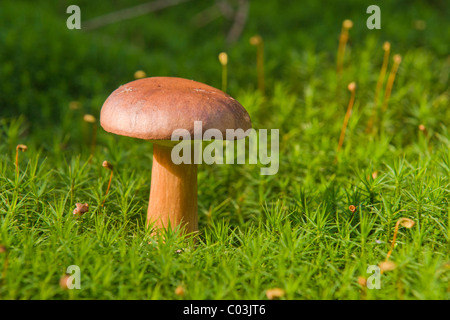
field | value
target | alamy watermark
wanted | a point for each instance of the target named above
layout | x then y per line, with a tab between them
374	21
72	278
74	20
374	281
222	151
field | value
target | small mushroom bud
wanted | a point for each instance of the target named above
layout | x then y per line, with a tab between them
89	118
107	165
258	42
387	266
179	291
406	222
63	282
255	40
397	59
223	58
22	147
362	281
140	74
274	293
343	38
347	24
351	86
390	82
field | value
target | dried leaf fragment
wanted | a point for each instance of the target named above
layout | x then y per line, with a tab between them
80	209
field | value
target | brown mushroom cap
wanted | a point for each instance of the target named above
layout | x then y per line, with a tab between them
152	108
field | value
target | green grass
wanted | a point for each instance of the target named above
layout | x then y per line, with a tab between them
292	230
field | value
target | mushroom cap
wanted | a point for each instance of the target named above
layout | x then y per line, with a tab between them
152	108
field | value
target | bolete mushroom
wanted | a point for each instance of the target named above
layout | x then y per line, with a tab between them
152	109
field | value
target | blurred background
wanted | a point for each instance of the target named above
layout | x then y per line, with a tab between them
44	66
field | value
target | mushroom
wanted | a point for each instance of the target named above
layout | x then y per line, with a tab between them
152	109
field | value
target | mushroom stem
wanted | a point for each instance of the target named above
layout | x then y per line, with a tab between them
173	193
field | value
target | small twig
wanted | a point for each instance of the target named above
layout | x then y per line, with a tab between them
129	13
226	9
240	19
140	74
81	208
4	250
207	16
